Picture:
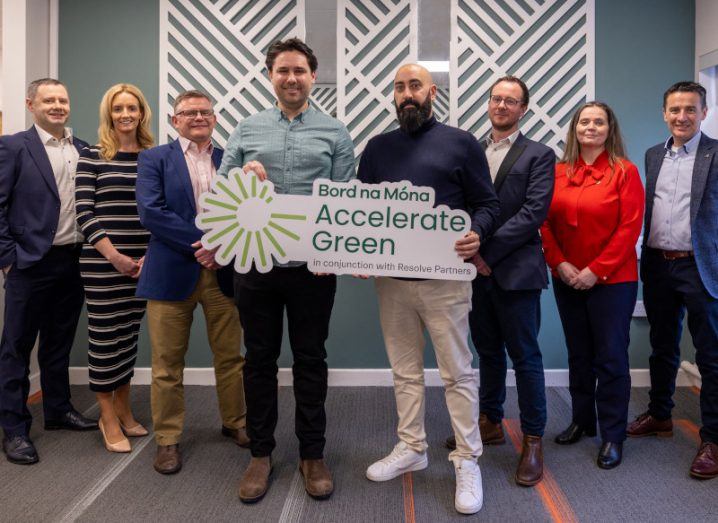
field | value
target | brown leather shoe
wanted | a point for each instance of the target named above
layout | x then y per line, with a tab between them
530	468
491	433
647	425
317	478
255	480
705	464
238	435
168	459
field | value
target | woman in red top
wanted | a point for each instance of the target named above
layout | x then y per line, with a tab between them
589	240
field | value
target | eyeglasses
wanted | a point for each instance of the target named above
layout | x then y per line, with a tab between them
509	102
192	113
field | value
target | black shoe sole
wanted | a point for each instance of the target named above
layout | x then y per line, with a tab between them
528	483
574	440
21	462
52	426
608	466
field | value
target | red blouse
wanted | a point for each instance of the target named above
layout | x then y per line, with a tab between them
595	219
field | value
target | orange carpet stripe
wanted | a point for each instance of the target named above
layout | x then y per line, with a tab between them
689	428
35	398
548	489
408	486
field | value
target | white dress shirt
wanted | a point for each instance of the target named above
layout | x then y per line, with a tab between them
63	158
496	152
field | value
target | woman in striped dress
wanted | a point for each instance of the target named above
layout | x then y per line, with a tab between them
112	256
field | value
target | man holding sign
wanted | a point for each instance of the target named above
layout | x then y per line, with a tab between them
451	161
291	144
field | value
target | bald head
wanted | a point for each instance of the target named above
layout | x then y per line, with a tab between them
409	71
414	92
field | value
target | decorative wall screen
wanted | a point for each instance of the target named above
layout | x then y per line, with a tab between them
547	44
374	37
219	46
324	97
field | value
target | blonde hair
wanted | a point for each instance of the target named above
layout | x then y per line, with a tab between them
109	144
614	141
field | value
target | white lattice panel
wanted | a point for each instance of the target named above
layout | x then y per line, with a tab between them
441	105
324	97
374	37
549	45
219	47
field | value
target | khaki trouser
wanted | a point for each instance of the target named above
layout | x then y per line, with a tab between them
442	307
170	323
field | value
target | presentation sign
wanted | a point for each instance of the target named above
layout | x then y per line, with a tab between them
388	229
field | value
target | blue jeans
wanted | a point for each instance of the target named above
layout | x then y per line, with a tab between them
508	321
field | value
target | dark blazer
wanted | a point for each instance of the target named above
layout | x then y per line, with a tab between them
165	201
29	200
704	207
524	185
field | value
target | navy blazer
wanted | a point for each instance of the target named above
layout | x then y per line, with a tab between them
524	184
704	207
29	200
165	201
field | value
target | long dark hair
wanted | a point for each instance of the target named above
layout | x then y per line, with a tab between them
614	141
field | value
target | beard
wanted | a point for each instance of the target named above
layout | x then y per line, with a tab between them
411	120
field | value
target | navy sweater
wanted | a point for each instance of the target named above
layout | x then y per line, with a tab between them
449	160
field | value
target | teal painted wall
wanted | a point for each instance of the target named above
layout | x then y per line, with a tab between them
642	47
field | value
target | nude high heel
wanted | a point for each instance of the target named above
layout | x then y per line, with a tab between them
120	446
137	431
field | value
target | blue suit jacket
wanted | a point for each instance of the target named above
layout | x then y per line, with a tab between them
704	207
524	185
29	200
165	201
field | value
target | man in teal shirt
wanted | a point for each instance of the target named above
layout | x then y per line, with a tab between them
291	144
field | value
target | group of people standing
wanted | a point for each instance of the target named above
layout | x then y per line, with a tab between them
117	219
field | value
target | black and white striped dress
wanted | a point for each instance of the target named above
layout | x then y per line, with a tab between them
106	208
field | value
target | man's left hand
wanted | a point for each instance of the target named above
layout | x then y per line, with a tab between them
205	257
467	246
481	266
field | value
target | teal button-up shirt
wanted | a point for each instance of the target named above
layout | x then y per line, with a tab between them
294	153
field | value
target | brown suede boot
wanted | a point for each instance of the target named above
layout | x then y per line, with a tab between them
255	480
317	478
530	469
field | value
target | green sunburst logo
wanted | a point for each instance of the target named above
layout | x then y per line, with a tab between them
239	218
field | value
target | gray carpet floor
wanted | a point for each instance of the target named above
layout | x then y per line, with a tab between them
77	480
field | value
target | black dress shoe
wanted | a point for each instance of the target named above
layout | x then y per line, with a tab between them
20	450
572	434
610	455
71	420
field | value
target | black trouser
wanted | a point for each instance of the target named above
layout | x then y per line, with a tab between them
308	300
597	323
45	298
670	287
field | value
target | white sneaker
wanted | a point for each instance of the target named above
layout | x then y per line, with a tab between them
469	496
402	459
